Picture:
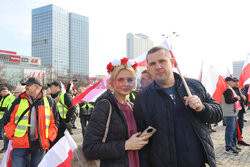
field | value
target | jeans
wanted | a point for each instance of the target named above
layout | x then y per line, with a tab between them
230	132
19	155
83	120
5	141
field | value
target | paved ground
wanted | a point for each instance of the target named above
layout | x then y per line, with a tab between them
223	159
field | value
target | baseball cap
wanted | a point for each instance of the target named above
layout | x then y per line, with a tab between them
229	79
33	80
56	83
3	88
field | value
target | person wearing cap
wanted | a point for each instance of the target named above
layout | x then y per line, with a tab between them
7	98
241	112
19	89
65	109
32	124
230	113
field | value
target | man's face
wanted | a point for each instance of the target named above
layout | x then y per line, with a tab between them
54	89
231	83
4	93
31	89
159	66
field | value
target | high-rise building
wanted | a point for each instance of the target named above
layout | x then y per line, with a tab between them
237	68
78	44
61	40
137	44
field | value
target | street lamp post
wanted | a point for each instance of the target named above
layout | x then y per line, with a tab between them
170	37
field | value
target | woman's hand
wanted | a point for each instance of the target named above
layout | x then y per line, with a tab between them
135	142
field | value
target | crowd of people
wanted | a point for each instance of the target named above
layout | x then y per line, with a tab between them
35	119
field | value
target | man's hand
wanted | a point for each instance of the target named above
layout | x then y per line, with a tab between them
57	99
243	97
194	102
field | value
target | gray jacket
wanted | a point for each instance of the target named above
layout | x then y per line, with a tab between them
227	104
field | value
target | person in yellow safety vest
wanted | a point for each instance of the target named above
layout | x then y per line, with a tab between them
32	124
132	96
19	89
6	99
64	103
86	110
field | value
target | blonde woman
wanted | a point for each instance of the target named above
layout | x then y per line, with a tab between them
123	140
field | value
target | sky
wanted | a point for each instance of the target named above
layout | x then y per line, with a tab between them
215	31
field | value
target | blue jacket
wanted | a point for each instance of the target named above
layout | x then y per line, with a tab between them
153	107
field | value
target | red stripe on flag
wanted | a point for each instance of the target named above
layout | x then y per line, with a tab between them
174	60
142	64
66	162
9	160
78	99
244	76
221	87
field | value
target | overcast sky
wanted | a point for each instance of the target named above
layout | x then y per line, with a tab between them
217	31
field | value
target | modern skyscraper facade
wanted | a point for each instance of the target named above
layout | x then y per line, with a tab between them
78	44
137	44
237	68
57	38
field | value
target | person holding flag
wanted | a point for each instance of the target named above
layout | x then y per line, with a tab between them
179	115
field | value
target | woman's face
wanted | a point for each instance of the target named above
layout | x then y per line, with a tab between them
124	82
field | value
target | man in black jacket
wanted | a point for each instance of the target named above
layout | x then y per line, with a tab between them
64	104
182	137
242	111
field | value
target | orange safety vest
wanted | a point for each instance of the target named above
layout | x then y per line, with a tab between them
23	142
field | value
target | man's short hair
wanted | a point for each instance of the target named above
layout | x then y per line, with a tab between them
156	49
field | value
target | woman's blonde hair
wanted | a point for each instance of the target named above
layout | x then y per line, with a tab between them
116	71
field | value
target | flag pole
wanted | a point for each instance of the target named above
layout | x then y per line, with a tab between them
184	82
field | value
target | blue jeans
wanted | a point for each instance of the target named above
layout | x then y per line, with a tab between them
19	155
5	140
230	132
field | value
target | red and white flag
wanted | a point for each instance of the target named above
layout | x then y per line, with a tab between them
201	71
245	73
92	92
165	44
63	88
61	153
6	161
72	87
228	73
142	62
214	83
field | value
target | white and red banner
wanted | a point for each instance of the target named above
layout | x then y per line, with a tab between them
72	87
142	62
34	73
214	83
201	71
92	92
6	161
61	153
63	88
245	73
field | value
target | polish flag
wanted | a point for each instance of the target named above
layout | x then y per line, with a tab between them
63	87
245	73
141	60
92	92
165	44
6	161
201	71
72	87
228	73
61	153
214	83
